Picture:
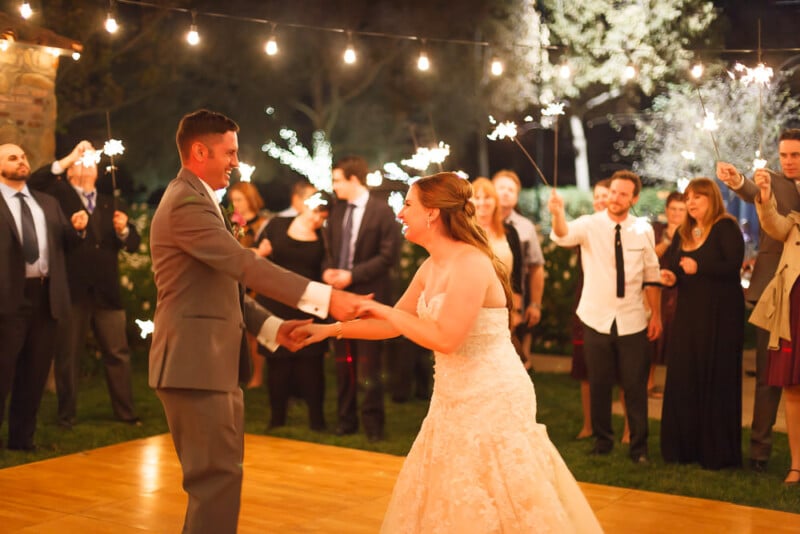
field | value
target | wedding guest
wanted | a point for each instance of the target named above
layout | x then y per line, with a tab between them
34	295
787	196
778	312
301	190
296	243
701	418
481	462
503	239
619	264
578	370
675	210
364	244
248	222
508	187
93	275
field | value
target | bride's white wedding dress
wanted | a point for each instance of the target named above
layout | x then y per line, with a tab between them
481	463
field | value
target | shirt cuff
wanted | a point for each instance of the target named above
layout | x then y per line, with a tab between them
268	334
56	168
124	234
740	184
316	299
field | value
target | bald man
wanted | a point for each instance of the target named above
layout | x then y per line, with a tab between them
33	290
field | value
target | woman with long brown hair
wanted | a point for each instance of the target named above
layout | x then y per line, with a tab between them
465	472
701	419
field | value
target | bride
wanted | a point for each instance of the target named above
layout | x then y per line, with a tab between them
480	463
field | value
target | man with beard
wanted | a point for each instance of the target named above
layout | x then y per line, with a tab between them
33	290
786	188
618	259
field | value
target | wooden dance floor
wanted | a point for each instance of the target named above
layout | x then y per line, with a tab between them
293	486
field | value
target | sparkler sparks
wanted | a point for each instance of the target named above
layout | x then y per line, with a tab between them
761	74
424	157
90	158
113	147
245	171
145	328
508	129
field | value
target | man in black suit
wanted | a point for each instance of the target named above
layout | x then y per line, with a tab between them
363	239
33	291
786	187
93	274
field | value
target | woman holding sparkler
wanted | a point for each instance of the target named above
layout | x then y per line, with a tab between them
467	471
778	312
701	419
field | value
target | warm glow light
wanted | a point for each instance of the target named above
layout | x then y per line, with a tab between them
271	48
111	24
193	38
374	179
55	52
76	56
4	45
629	73
697	71
25	10
497	67
564	71
246	171
423	63
350	55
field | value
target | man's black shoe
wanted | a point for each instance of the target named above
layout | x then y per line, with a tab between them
759	466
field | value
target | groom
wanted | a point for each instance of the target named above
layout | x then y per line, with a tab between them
199	354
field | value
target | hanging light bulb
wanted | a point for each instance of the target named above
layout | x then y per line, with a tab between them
111	23
4	44
350	55
76	56
423	63
628	73
25	10
271	48
496	68
697	71
193	37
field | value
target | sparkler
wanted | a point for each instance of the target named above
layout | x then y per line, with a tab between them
112	148
709	123
509	129
551	112
424	157
245	171
145	327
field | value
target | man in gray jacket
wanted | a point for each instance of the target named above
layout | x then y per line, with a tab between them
199	354
786	187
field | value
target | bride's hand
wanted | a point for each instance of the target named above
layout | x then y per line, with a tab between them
371	309
311	333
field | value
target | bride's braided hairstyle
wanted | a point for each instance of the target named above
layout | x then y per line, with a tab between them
451	194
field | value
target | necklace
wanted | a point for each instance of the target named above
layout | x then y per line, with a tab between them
697	232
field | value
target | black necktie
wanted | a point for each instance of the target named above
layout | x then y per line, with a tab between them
620	263
30	243
347	234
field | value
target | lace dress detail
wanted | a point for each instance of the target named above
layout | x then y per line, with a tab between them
481	463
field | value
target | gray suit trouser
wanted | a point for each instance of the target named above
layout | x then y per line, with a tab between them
765	402
207	429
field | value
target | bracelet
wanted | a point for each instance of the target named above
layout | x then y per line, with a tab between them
535	305
338	329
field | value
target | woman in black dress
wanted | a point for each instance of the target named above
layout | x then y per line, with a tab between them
701	419
296	244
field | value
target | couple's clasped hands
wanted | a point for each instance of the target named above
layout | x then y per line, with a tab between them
296	334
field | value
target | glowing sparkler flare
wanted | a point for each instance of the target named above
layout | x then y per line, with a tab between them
688	155
503	130
759	163
113	147
424	157
246	171
90	158
709	123
392	171
556	108
374	178
145	327
396	200
761	74
316	200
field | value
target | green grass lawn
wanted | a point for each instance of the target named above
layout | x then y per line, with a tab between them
559	409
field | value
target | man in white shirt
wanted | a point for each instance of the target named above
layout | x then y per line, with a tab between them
618	259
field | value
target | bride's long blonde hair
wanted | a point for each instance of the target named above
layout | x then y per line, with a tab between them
451	194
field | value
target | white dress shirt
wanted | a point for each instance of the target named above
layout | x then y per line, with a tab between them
599	305
40	267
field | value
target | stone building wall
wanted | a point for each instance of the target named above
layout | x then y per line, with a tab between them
28	101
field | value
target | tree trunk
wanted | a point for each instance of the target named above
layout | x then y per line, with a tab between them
581	154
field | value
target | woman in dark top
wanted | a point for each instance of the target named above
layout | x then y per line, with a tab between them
701	419
296	244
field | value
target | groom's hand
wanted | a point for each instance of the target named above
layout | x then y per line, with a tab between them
285	335
344	305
